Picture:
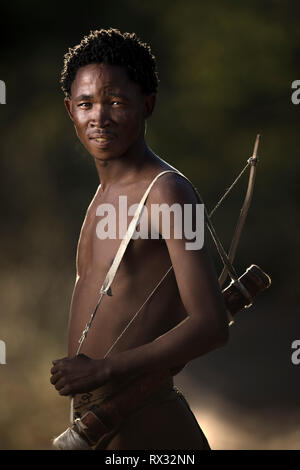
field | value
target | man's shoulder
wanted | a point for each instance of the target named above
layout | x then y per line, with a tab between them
173	187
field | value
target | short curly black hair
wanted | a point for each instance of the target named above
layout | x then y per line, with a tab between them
111	47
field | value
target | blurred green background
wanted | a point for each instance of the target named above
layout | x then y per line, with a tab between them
225	70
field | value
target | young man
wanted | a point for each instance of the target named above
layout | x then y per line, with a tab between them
110	85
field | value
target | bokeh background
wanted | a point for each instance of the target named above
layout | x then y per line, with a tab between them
226	70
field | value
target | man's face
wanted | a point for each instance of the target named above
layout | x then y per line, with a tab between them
108	110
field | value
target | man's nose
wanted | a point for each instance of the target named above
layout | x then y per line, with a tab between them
101	115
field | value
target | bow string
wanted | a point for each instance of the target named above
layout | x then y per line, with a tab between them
252	162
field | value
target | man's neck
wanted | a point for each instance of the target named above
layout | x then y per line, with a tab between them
123	169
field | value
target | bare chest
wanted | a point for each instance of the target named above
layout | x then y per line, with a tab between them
144	263
105	226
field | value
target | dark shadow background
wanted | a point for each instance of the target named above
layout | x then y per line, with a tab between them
226	70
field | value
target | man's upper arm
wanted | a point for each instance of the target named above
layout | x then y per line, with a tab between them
194	271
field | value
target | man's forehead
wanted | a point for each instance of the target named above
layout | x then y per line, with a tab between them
100	75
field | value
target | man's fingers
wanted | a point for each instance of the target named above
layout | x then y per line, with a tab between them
65	390
55	378
53	370
58	360
56	363
60	384
56	369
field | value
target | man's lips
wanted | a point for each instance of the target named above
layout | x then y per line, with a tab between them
101	139
101	136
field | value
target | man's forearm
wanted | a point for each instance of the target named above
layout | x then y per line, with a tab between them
188	340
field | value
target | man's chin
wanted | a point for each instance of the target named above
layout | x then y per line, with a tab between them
104	156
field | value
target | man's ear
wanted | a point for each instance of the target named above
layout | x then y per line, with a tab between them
68	106
150	101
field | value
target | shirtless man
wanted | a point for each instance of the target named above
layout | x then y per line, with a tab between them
110	84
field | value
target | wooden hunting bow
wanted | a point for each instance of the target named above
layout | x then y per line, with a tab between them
252	162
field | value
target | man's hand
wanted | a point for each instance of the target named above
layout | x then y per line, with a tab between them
79	374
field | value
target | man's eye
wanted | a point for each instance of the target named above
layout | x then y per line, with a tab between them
116	103
84	105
